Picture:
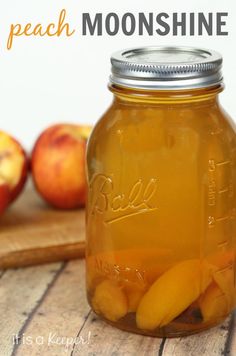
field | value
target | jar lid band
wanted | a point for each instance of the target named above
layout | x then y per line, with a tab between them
166	68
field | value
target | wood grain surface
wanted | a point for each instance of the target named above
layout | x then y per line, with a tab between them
21	291
46	307
32	233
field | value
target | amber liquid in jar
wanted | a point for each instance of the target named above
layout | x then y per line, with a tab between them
161	212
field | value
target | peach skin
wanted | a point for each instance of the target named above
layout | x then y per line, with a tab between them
13	165
4	196
58	165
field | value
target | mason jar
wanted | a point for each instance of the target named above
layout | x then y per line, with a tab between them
161	201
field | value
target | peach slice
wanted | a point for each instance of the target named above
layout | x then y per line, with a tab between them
134	296
110	300
224	272
172	293
214	303
13	165
58	165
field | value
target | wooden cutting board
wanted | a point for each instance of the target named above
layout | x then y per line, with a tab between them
33	233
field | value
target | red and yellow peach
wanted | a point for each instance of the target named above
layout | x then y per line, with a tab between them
58	165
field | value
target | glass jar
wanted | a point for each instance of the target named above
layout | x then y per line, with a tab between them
161	203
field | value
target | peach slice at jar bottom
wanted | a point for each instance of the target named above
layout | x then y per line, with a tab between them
213	303
225	281
134	294
110	300
172	293
223	274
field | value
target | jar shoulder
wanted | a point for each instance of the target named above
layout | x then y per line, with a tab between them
203	120
229	121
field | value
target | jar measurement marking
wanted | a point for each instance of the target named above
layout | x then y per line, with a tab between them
223	163
225	190
212	220
215	193
223	218
223	244
225	268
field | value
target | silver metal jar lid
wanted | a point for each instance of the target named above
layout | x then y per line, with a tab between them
166	68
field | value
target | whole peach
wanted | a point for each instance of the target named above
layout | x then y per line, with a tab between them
13	165
58	165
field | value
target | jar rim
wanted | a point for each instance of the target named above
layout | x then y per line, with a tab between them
166	68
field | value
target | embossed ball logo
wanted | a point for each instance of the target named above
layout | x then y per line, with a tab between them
116	205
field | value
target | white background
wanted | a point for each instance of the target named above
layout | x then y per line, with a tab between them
50	80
